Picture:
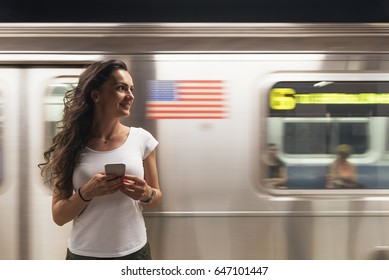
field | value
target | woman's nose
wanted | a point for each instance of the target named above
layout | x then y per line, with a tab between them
129	95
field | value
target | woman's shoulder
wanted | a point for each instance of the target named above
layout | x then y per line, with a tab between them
138	130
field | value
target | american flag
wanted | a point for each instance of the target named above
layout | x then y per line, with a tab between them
186	99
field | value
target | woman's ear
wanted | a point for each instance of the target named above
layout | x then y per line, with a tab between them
95	96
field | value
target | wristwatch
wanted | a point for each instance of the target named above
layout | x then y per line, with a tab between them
151	198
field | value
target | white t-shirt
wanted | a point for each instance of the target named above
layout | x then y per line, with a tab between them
111	225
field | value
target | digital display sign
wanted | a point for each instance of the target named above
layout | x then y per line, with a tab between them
288	98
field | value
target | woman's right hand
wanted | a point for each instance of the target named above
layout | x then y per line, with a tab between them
101	184
66	209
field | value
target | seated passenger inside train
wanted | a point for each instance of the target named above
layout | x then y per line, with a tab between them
342	173
277	170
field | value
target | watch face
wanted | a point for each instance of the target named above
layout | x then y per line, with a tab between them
151	198
153	195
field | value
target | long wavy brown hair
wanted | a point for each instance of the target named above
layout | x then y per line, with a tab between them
74	129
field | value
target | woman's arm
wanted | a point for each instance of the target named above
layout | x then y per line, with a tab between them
151	177
66	209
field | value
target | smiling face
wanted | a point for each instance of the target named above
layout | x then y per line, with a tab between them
114	98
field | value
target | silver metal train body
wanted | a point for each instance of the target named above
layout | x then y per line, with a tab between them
216	204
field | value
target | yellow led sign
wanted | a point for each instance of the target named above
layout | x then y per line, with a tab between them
282	99
287	98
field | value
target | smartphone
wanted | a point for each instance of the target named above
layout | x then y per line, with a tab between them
115	168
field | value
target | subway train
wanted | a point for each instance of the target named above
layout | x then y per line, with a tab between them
214	96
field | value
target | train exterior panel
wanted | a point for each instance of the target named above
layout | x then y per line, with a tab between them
213	96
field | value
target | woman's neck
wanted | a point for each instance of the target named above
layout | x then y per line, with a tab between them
106	130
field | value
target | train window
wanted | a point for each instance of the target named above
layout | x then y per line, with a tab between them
322	137
53	105
311	125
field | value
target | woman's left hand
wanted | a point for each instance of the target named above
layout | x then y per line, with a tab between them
135	187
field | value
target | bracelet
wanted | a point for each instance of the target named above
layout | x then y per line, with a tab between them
79	193
151	198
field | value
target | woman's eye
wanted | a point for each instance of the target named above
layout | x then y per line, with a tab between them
121	88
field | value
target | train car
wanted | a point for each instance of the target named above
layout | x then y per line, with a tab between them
214	95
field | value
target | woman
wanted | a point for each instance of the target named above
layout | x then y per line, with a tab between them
106	210
342	173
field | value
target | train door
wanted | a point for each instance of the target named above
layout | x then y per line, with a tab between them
42	99
9	158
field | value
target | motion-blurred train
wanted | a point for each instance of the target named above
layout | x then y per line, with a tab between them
214	95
